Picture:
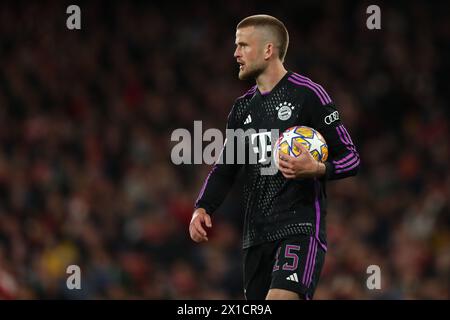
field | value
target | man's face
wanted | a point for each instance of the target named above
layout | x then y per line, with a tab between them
249	53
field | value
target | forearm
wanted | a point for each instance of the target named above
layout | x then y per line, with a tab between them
216	187
335	169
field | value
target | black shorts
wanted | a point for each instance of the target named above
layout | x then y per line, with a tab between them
292	264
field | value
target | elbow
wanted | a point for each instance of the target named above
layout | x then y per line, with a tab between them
355	170
349	168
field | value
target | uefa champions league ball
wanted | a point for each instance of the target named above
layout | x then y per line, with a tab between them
308	137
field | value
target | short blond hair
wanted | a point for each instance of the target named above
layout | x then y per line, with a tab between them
274	25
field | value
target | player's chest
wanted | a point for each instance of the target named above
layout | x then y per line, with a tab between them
277	111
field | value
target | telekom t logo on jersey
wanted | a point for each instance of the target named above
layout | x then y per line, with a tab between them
247	146
264	143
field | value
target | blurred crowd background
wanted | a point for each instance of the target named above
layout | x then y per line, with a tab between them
86	119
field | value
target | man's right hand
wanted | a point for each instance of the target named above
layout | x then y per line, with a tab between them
196	229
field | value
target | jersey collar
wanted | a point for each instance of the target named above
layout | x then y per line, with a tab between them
267	93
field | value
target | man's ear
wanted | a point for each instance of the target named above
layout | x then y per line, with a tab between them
268	51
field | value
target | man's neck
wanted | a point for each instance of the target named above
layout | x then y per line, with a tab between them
267	80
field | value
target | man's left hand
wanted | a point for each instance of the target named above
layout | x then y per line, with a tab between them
303	166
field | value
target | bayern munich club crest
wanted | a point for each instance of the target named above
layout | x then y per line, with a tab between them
285	110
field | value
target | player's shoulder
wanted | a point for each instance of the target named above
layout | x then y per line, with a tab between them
248	94
308	87
241	104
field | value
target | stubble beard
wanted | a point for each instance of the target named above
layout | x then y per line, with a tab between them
251	73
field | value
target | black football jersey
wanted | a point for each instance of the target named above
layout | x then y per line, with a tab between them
276	207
